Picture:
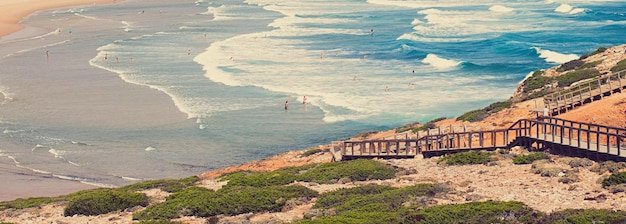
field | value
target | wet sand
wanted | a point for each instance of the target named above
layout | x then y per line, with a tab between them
63	89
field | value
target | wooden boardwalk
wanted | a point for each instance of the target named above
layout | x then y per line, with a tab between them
585	92
557	135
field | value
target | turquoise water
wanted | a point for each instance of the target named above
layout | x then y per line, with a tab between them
229	66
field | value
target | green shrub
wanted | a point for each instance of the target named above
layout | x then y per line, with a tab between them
530	158
429	125
571	77
201	202
574	162
102	201
373	198
591	64
21	203
608	166
262	179
598	51
584	216
311	152
614	179
536	81
169	185
334	198
474	212
621	65
323	173
480	114
570	65
407	127
497	106
466	158
474	115
358	217
356	170
159	222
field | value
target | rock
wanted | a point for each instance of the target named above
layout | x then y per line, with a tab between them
473	197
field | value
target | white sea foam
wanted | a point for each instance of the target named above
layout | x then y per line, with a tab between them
131	178
126	26
38	146
440	63
56	153
564	8
500	8
576	11
554	57
40	171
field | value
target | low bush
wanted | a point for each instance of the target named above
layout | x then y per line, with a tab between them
608	166
22	203
474	115
545	168
574	162
480	114
614	179
571	77
530	158
169	185
591	64
466	158
428	125
570	65
378	203
311	152
584	216
621	65
202	202
474	212
324	173
536	81
599	50
102	201
356	170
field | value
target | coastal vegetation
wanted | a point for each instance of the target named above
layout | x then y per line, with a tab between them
530	158
480	114
621	65
247	192
467	158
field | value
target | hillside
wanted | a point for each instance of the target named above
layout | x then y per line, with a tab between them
554	185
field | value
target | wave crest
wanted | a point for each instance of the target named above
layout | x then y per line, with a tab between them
499	8
554	57
440	63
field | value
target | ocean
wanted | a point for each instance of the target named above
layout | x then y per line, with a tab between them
228	67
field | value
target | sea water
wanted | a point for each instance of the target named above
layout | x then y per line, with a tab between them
230	66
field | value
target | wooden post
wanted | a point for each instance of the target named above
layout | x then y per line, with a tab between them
600	86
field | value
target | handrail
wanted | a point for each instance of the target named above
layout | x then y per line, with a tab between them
593	137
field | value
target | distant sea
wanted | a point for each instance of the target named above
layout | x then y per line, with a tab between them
230	66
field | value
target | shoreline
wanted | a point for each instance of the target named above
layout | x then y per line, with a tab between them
27	183
18	10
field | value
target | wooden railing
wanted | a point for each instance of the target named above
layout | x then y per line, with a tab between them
586	91
548	131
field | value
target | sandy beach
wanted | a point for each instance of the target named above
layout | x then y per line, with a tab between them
105	99
15	10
